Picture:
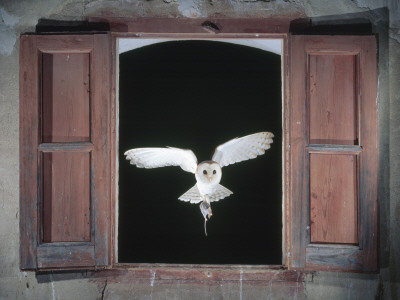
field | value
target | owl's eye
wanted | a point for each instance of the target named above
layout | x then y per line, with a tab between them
205	172
214	172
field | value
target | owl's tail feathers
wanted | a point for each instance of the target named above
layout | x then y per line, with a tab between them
219	193
192	195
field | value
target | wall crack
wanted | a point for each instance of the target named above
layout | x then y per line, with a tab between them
104	290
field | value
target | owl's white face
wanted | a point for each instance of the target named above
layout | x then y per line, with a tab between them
208	173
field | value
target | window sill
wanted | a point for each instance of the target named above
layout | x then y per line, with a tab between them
201	273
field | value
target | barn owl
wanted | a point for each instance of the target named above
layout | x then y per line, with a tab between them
207	173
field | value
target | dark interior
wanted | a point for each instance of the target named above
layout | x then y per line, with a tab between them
197	95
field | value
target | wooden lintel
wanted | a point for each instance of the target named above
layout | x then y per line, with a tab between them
196	26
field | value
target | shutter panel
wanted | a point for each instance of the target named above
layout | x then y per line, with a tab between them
65	151
334	153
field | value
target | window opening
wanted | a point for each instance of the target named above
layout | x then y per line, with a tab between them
196	95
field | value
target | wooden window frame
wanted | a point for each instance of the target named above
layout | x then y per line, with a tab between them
294	256
285	126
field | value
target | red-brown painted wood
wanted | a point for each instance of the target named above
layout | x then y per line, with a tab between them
66	197
66	107
335	74
298	169
332	99
73	43
333	198
28	137
101	155
65	142
369	160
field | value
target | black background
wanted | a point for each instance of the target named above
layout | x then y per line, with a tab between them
197	95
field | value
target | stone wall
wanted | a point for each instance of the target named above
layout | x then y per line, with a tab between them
21	16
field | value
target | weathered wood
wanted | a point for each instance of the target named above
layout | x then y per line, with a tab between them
343	149
286	214
66	197
298	171
369	159
207	274
113	248
63	147
195	27
72	43
65	102
332	105
65	255
73	195
351	123
333	198
298	210
101	134
334	258
28	137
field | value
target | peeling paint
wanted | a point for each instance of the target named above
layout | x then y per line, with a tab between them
190	8
395	35
8	19
368	4
8	37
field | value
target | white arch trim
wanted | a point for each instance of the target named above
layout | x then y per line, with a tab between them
270	45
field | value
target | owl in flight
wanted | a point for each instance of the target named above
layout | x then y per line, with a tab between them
208	173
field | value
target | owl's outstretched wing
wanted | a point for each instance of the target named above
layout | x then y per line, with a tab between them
161	157
243	148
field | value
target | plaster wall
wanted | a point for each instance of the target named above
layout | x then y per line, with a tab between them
21	16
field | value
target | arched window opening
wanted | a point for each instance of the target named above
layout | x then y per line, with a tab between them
196	95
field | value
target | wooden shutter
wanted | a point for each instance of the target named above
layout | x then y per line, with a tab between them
334	151
65	151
